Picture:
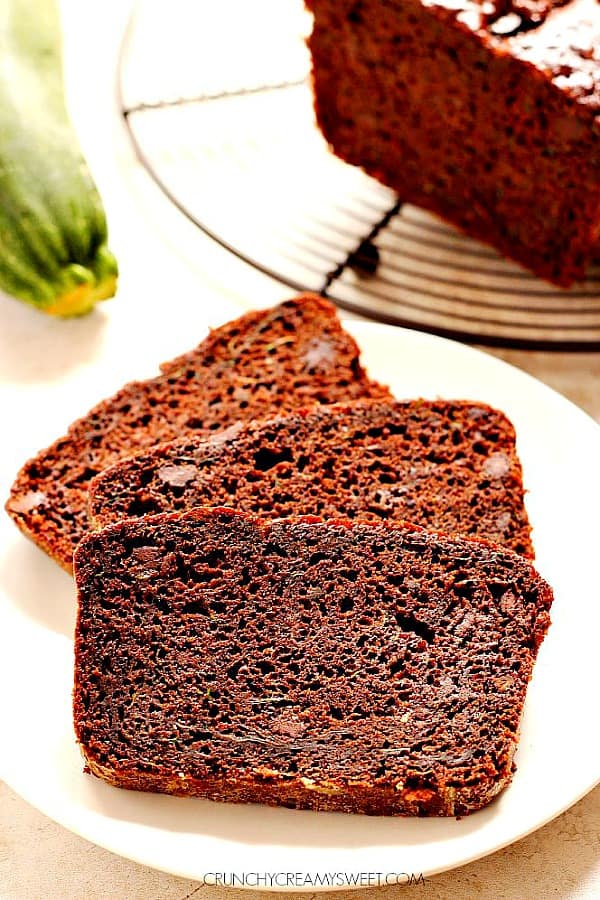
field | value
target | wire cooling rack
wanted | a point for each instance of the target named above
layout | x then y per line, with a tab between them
217	102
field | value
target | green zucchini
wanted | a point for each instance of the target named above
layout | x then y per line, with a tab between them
53	234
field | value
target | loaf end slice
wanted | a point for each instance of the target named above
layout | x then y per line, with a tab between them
293	354
356	667
448	465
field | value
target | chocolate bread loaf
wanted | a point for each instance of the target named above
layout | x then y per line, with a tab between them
443	464
358	667
288	356
483	112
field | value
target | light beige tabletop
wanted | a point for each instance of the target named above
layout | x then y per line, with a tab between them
39	859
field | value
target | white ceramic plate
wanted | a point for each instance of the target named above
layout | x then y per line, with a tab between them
558	759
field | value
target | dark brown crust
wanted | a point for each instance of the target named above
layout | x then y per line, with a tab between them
495	131
366	799
446	464
285	357
221	656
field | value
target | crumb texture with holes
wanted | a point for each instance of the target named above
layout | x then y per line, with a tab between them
485	112
337	665
291	355
447	465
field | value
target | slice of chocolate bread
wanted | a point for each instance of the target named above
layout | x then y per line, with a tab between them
445	464
486	113
288	356
361	667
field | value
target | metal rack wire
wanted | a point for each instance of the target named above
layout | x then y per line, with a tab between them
235	148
